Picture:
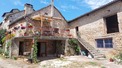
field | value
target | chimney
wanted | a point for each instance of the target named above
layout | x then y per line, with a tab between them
28	8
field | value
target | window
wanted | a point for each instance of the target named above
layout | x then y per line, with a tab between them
112	24
104	43
77	28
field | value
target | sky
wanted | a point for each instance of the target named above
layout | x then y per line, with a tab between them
69	8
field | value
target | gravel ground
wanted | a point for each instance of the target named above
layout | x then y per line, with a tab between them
67	62
9	63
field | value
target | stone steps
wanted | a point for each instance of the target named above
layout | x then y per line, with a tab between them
90	48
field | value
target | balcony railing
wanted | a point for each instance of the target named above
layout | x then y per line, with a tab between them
47	31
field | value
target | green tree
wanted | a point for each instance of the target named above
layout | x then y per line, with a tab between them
2	35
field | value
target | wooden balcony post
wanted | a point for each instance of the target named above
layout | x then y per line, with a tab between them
41	24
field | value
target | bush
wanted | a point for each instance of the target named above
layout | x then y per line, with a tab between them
118	58
74	45
1	50
15	58
7	54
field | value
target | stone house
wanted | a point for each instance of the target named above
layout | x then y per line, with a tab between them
51	29
100	31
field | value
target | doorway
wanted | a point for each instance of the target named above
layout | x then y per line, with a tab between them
21	48
77	29
41	47
38	49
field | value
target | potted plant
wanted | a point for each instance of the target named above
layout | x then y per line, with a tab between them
30	26
15	28
25	34
22	27
111	59
67	30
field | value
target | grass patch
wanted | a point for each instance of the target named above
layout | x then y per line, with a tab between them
62	59
91	63
75	65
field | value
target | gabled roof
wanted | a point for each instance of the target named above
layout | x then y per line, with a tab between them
26	16
11	12
5	14
110	3
14	9
33	13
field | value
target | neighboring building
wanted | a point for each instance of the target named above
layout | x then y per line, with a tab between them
101	29
51	29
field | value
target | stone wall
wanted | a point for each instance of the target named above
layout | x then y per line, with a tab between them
93	26
56	23
51	47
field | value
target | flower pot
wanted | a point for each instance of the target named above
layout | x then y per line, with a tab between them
15	28
67	30
22	27
25	34
69	35
30	26
111	60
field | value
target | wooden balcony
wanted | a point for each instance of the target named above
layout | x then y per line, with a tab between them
47	33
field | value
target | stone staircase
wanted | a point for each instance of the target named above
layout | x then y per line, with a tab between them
95	53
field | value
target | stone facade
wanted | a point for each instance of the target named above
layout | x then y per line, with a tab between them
93	26
17	20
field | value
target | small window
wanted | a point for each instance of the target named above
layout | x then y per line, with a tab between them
46	13
77	29
108	43
112	24
100	43
104	43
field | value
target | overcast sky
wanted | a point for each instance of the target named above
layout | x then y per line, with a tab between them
69	8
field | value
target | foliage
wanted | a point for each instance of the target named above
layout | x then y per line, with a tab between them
7	37
15	58
8	44
119	57
74	44
34	55
1	50
2	35
92	63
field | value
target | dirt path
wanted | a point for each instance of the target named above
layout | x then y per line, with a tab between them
9	63
108	64
67	62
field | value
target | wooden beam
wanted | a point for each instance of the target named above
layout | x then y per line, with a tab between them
38	17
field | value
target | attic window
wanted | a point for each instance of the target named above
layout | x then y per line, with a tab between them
46	13
112	24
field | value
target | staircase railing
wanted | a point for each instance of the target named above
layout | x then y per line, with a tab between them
88	46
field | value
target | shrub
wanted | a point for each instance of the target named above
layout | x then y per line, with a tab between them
74	45
34	56
1	50
118	58
111	54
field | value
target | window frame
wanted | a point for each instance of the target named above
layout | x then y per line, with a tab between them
104	43
107	26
